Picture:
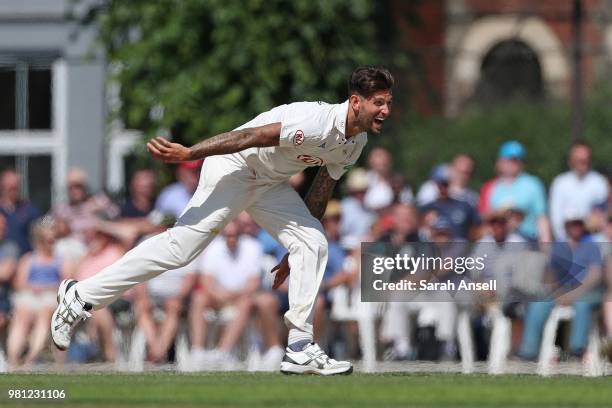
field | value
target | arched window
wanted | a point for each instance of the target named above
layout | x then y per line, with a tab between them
510	70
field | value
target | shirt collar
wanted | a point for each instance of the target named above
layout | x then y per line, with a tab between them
577	177
340	115
340	118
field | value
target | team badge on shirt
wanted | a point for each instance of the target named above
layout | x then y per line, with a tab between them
298	138
310	160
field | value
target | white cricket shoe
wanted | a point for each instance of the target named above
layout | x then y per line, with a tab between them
313	360
70	311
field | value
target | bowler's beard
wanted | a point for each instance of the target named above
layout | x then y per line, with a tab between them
365	123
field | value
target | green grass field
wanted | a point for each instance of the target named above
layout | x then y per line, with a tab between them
275	390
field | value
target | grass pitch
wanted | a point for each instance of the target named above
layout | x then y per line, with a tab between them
238	389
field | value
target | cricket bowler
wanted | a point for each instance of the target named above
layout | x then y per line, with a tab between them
247	170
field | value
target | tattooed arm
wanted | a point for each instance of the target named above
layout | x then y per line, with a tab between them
316	201
319	193
225	143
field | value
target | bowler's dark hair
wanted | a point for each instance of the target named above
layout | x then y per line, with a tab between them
366	80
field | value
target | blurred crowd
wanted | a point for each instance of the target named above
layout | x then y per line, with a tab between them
223	300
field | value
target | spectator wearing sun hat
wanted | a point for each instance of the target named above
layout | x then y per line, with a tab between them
524	191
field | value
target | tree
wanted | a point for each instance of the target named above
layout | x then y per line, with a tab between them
210	65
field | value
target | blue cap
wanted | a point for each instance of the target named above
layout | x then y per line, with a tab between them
440	173
511	150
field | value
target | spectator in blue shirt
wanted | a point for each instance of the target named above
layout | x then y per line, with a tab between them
141	195
19	213
174	198
517	189
462	216
575	267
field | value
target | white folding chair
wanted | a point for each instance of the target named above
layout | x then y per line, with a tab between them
501	337
347	306
592	362
466	343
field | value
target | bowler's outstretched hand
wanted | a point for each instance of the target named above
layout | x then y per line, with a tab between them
167	151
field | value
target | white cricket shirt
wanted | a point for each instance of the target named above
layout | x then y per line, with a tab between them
312	134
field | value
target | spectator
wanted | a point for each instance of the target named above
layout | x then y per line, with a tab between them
484	201
380	193
83	208
499	231
404	231
402	193
516	188
19	213
9	254
498	242
103	249
576	270
460	174
462	216
169	293
174	198
66	245
356	218
231	271
405	226
580	188
39	274
462	168
142	195
435	319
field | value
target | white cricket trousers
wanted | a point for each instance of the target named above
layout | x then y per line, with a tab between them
226	188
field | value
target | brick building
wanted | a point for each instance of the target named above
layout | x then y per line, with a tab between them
481	51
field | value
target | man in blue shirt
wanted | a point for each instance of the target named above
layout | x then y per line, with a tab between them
576	269
518	189
462	216
19	213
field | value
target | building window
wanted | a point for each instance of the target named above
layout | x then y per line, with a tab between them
511	69
25	100
8	79
39	99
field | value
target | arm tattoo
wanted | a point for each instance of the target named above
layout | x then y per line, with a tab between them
224	143
319	193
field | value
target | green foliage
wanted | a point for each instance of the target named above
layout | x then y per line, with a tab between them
213	64
545	130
